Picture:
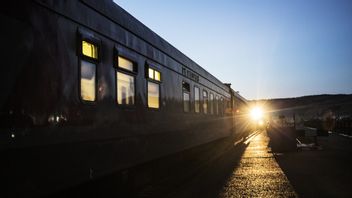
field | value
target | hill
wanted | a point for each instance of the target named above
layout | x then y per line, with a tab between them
309	107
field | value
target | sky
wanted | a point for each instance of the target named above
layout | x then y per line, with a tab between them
264	48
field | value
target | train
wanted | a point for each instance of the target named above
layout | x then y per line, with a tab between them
88	90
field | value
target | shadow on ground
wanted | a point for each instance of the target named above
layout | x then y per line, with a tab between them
282	139
185	174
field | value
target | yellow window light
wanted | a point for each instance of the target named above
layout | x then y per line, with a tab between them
154	74
153	95
157	76
151	73
125	63
89	49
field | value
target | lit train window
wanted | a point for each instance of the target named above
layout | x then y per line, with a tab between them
157	76
151	73
153	95
154	74
211	103
88	52
125	89
205	102
186	96
89	49
88	76
125	81
196	100
154	79
126	64
217	105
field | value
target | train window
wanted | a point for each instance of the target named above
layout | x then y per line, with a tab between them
88	52
205	102
154	78
221	106
125	79
157	76
217	105
227	106
154	74
89	49
151	73
88	76
186	92
211	103
153	95
125	89
196	100
126	64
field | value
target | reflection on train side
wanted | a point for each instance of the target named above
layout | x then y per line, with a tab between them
88	80
125	87
153	95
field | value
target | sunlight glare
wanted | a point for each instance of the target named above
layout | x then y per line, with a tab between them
256	113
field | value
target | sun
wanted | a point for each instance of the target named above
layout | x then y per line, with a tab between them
257	113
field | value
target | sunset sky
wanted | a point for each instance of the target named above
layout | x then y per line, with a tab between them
264	48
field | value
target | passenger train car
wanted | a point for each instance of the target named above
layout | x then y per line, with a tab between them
87	90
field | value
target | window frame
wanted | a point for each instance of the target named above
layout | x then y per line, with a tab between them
134	73
199	100
147	98
205	102
217	104
189	97
150	66
120	53
211	102
134	92
222	106
82	35
146	68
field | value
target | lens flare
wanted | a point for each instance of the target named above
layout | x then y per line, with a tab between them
257	113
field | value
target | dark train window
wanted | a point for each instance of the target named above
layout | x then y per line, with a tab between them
211	103
154	79
186	96
205	102
216	105
228	109
226	106
233	104
125	79
196	100
221	106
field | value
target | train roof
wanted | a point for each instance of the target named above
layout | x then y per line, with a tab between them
131	24
237	95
